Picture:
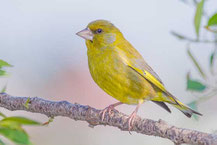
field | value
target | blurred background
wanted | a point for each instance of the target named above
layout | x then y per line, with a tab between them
49	60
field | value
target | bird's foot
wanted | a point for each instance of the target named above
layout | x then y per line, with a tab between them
108	109
131	120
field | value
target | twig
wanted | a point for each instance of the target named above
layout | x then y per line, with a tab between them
191	40
92	116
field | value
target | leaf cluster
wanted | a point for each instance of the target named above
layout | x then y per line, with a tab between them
11	127
202	85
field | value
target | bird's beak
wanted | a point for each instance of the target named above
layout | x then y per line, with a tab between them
86	34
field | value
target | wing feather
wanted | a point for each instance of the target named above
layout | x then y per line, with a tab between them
148	76
135	61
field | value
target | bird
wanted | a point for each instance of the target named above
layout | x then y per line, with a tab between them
120	70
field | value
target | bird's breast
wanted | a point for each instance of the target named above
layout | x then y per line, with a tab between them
109	71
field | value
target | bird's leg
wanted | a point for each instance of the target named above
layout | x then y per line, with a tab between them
133	115
109	108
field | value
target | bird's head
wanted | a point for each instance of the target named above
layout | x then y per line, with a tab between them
101	32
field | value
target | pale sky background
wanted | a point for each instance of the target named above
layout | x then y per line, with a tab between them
38	38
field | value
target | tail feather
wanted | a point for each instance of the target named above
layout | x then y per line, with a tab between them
174	102
163	105
186	110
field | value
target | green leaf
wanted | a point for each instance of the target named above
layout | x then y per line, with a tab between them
3	73
194	85
193	105
213	20
4	64
2	115
179	36
17	136
10	124
4	89
2	143
27	103
197	17
212	56
21	120
196	64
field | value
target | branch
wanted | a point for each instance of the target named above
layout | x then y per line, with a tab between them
92	116
192	40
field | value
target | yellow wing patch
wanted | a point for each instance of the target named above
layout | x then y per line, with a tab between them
145	74
155	82
150	78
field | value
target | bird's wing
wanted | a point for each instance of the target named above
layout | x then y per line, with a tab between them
137	63
131	56
141	64
148	76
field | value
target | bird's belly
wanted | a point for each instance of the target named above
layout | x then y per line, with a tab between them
119	81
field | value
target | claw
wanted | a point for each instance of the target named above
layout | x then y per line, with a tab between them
131	121
132	116
108	109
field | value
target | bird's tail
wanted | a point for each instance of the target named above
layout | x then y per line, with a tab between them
177	104
185	109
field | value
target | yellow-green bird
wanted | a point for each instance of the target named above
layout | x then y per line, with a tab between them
119	69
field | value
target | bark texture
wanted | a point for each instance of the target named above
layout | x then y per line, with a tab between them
116	119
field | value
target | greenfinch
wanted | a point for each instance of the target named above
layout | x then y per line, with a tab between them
120	70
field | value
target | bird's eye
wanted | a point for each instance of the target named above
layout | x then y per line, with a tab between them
99	31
